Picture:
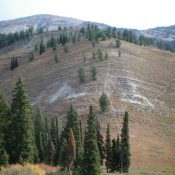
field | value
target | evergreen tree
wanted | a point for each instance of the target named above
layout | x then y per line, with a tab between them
57	145
116	155
118	43
4	122
71	151
72	123
125	147
16	64
104	102
56	57
93	73
42	47
40	135
119	53
81	74
108	150
106	55
100	144
31	56
21	139
91	158
50	150
100	54
93	55
63	152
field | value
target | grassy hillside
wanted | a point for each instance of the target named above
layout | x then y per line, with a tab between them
141	81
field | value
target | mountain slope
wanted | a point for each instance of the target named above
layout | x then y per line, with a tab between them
163	33
141	81
44	21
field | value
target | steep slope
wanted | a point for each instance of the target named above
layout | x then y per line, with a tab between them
141	81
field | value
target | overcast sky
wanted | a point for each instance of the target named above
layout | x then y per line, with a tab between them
140	14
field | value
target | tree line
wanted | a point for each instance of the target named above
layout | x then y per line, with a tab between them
27	136
8	39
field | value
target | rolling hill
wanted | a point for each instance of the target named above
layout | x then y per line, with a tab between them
141	81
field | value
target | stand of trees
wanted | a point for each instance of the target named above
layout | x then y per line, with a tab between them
28	136
8	39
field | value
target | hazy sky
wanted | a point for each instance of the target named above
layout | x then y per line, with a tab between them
139	14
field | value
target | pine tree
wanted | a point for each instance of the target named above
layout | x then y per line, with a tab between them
125	147
73	123
113	167
117	155
93	55
40	133
50	150
118	43
57	146
93	73
91	158
12	66
108	150
104	102
71	151
106	55
4	160
100	144
21	139
81	74
42	47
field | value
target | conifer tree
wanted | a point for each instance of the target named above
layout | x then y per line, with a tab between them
91	158
104	102
50	150
71	150
73	123
93	73
117	154
106	55
93	55
118	43
100	144
39	133
57	145
125	147
108	150
21	138
81	74
42	47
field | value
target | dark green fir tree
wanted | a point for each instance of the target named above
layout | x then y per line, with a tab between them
21	140
108	150
91	158
104	102
125	147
